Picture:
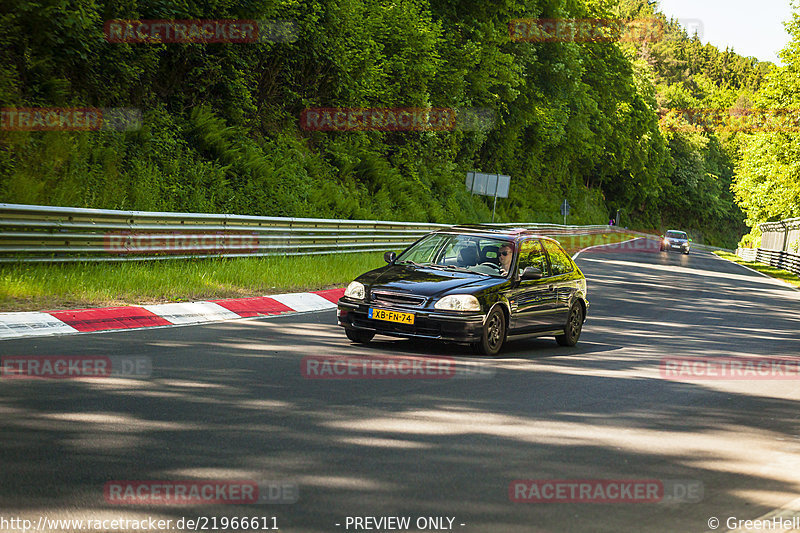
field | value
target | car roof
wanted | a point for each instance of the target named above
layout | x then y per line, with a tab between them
488	230
675	231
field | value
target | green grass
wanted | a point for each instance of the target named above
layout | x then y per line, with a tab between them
36	287
29	287
772	272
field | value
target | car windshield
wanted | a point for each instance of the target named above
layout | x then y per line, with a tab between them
676	235
469	253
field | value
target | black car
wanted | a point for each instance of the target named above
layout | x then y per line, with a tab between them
451	285
675	240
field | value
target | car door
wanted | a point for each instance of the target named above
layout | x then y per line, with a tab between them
561	280
532	301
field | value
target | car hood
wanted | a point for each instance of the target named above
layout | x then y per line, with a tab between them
676	240
424	281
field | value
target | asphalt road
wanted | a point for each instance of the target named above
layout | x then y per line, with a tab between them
229	401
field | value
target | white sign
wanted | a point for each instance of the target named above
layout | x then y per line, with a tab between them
488	184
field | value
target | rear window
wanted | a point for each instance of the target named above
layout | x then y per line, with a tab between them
531	254
560	263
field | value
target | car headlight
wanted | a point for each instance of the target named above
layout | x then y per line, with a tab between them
458	302
355	291
666	241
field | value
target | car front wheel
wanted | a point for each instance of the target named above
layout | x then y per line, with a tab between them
572	331
494	334
359	336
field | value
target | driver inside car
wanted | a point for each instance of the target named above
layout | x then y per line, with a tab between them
505	254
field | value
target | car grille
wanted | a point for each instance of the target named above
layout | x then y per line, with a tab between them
393	298
425	329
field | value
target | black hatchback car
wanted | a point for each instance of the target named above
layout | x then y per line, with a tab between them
470	284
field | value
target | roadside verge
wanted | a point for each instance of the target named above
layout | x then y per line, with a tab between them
784	276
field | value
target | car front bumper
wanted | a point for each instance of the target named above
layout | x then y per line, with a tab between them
428	324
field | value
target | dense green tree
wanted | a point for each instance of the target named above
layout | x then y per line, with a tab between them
221	130
767	182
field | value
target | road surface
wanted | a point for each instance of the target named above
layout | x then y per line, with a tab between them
229	401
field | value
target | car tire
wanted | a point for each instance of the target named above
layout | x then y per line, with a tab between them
572	331
359	336
494	334
686	252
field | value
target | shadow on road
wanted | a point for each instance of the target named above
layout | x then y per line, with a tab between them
228	400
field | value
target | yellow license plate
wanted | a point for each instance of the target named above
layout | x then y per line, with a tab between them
391	316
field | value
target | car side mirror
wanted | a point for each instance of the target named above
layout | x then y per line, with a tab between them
389	257
531	273
690	240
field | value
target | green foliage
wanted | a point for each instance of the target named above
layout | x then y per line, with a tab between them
767	183
749	241
695	191
221	130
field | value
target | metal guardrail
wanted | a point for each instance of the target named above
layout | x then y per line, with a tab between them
30	233
748	254
775	258
783	260
779	245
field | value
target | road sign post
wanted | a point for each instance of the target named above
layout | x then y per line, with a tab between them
495	185
494	206
565	210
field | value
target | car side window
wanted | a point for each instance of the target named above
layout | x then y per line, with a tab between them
559	260
531	254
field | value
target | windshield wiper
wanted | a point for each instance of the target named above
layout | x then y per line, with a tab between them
411	263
